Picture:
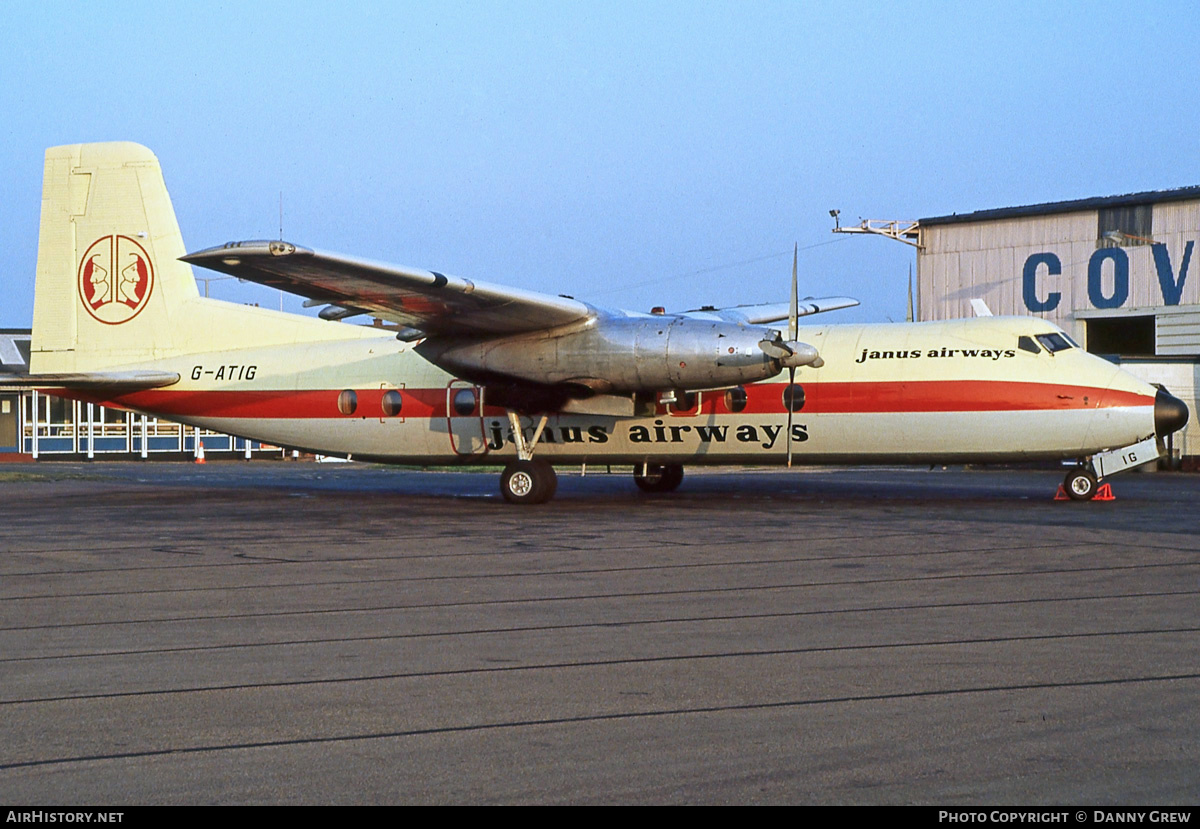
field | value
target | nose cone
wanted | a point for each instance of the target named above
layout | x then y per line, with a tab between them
1170	414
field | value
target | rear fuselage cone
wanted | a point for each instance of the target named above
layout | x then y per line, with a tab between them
617	354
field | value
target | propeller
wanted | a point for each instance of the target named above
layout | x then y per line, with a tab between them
791	353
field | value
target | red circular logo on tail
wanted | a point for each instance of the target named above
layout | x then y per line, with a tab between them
116	278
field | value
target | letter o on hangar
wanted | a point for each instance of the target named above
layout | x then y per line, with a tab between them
736	399
347	402
392	402
793	397
464	402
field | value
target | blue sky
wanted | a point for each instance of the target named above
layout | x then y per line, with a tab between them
628	154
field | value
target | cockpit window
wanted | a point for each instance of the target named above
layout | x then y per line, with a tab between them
1053	342
1026	343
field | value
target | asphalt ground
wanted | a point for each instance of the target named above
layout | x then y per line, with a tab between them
302	633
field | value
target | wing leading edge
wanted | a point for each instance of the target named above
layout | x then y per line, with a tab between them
432	302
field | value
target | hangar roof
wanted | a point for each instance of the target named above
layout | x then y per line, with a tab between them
1073	206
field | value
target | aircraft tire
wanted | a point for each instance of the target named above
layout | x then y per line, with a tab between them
528	482
1080	484
549	479
658	477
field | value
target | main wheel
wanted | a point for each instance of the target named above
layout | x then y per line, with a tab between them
528	482
658	477
1080	484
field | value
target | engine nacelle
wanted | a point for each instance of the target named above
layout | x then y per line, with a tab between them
617	354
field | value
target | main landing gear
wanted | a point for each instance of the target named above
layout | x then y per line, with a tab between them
654	477
527	480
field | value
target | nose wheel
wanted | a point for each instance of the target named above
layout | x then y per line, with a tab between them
1080	484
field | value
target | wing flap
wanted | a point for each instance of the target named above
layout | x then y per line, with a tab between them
426	300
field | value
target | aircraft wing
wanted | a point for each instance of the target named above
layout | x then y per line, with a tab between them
431	302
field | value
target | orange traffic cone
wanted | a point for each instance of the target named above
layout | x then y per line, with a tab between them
200	452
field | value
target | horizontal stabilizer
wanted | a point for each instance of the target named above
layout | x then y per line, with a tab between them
773	311
91	380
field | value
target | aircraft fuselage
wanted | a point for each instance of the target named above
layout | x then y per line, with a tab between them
958	391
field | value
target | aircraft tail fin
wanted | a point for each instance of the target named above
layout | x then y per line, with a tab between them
110	290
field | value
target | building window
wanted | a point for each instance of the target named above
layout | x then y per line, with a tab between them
1123	227
1123	336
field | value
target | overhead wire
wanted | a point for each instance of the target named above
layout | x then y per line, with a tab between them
711	269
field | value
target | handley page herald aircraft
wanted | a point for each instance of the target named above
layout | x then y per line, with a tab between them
481	373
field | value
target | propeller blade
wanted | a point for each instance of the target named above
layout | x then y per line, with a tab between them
787	438
795	347
794	308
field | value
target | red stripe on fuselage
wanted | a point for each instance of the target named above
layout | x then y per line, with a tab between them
820	398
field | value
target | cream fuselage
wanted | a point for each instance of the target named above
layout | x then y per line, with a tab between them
948	391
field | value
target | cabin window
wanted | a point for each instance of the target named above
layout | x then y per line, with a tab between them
1026	343
464	402
347	402
392	402
685	402
735	399
793	397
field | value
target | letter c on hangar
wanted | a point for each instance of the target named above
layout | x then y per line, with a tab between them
1029	282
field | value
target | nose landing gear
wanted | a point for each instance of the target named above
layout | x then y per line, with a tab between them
1080	484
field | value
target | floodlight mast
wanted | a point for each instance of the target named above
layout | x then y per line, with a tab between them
901	230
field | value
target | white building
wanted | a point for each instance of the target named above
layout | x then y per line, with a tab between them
1118	273
36	426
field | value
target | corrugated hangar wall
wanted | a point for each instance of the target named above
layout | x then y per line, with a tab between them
1117	273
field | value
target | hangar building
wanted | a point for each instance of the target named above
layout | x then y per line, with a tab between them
1115	272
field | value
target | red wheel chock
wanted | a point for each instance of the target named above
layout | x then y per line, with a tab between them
1103	493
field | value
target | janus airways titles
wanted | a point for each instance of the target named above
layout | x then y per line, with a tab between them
472	372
